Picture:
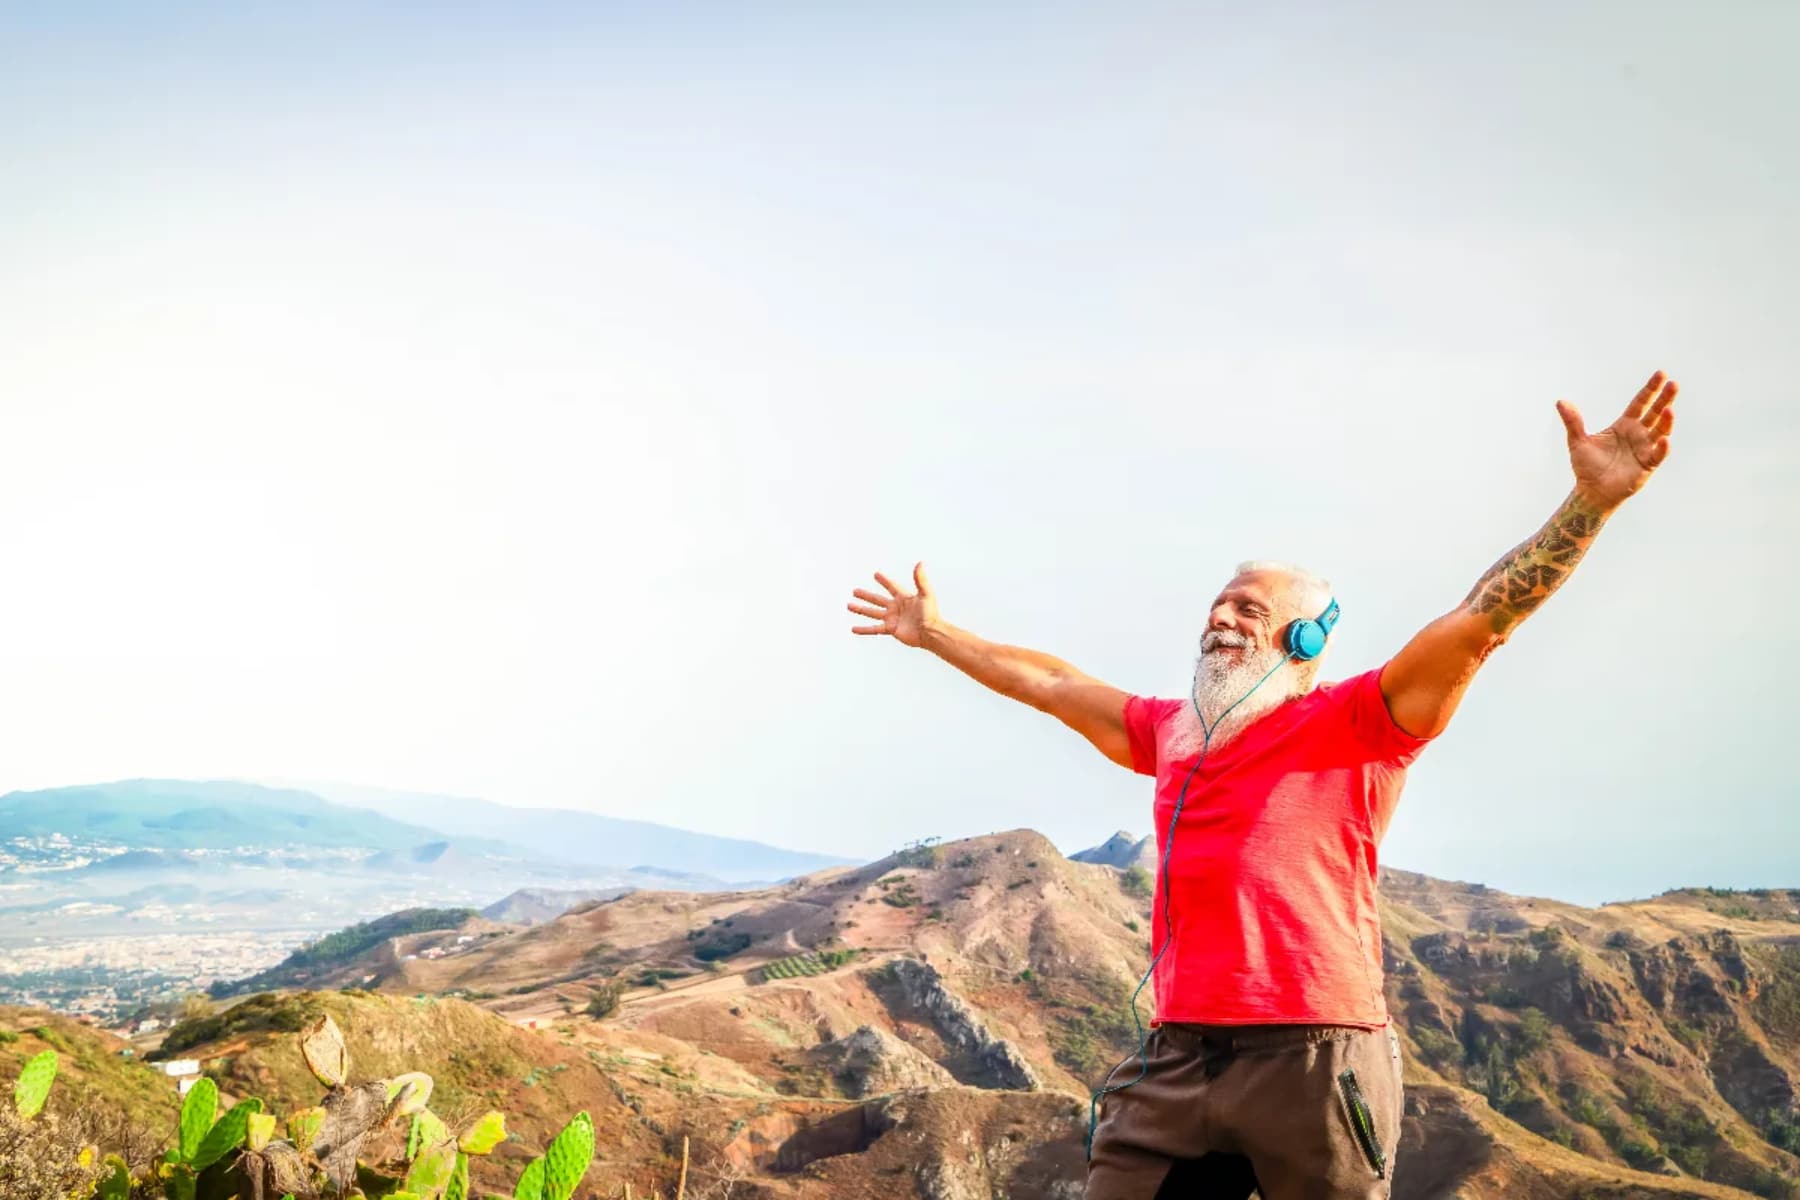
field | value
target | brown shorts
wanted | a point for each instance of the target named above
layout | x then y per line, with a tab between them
1293	1112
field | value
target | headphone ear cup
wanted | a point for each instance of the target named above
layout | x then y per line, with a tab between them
1305	639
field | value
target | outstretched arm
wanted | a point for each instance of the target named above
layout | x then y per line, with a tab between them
1093	709
1425	682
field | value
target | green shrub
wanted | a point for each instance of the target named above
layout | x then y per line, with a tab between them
1438	1048
1136	881
1534	1031
283	1013
605	998
723	947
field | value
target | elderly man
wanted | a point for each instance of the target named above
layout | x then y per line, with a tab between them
1271	1064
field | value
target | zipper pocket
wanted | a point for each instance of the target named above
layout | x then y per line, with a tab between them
1361	1122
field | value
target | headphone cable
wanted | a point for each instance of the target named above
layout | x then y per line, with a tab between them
1106	1088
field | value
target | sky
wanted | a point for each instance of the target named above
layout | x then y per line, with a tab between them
503	400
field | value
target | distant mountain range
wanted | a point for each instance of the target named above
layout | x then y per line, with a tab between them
184	856
174	814
585	838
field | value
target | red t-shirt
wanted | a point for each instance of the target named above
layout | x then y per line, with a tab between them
1272	880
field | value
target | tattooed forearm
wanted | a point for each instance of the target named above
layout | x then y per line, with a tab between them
1513	587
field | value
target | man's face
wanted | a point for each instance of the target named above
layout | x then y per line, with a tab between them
1247	618
1241	673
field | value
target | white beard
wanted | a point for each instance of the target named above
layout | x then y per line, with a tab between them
1224	675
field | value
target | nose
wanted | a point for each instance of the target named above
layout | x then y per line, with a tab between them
1221	617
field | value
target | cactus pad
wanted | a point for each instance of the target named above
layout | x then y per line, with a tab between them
304	1125
227	1135
486	1133
322	1044
567	1159
260	1130
412	1091
34	1083
115	1180
197	1113
431	1171
427	1131
531	1182
458	1187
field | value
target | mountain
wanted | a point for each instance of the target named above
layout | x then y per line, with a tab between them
930	1024
585	838
177	815
534	906
116	895
1120	850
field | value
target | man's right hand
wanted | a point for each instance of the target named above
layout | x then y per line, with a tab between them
1091	708
905	616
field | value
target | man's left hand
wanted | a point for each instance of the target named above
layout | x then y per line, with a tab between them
1614	463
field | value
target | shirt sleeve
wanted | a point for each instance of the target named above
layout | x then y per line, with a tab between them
1374	724
1142	715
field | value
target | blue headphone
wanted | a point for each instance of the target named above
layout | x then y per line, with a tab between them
1304	639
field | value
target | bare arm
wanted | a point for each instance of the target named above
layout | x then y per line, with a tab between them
1425	682
1091	708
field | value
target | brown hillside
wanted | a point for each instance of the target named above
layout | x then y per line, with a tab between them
837	1034
92	1067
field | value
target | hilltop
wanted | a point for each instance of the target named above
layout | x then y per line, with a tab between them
849	1029
534	906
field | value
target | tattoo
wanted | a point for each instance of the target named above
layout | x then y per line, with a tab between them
1513	587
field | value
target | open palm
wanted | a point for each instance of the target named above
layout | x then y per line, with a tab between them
1615	462
904	616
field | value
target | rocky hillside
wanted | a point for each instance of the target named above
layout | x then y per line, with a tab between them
534	906
929	1026
1120	850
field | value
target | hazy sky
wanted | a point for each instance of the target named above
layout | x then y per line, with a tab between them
503	400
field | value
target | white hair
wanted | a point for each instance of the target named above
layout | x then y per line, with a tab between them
1310	592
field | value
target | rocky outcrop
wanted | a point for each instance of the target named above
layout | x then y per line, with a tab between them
998	1063
1120	850
870	1062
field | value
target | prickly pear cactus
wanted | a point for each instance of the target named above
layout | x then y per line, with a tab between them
567	1159
411	1092
303	1126
427	1131
197	1113
115	1180
430	1172
227	1135
322	1045
488	1131
531	1182
179	1181
458	1187
33	1087
260	1130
